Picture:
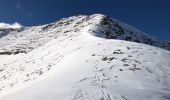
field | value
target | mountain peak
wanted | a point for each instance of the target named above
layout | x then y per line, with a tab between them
106	27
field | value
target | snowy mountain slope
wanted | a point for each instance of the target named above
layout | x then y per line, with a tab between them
77	64
33	37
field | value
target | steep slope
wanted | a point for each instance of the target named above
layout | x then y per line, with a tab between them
78	63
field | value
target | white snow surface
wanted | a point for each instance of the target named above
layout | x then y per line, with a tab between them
76	63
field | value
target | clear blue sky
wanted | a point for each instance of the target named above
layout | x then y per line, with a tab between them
150	16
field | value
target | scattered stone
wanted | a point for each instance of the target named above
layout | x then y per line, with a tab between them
1	70
11	85
138	68
118	51
110	59
82	79
67	31
137	61
27	75
128	48
4	77
130	56
49	67
93	55
10	52
128	38
104	58
134	69
40	72
26	80
124	59
134	65
125	65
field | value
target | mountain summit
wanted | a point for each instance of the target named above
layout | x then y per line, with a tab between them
83	58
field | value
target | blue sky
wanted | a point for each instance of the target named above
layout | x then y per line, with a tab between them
150	16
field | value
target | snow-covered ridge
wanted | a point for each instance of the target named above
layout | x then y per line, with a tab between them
80	58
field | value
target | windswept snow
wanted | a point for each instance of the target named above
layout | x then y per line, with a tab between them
72	60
